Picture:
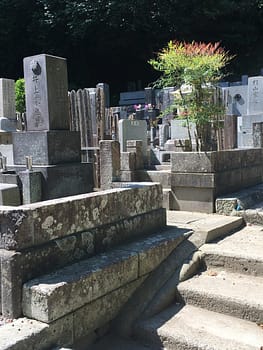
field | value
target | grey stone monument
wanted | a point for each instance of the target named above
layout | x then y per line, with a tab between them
8	122
133	130
254	112
55	150
255	95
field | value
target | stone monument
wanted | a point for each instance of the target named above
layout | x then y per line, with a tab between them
8	122
54	149
254	112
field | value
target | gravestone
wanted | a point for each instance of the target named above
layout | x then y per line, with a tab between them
8	122
254	112
167	102
133	130
55	150
46	88
164	134
179	130
255	95
236	99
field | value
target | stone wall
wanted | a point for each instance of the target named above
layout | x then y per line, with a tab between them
198	178
39	238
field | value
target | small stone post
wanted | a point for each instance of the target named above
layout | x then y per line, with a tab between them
109	163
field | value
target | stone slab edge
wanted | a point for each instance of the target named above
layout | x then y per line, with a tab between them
38	223
28	334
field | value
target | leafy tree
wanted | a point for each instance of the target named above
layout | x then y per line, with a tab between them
198	66
20	95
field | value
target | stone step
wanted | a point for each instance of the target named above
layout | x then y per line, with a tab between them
225	292
55	295
192	328
211	226
161	176
239	252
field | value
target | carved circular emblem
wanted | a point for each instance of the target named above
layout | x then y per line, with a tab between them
35	66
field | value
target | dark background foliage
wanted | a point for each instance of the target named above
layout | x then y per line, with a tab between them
112	40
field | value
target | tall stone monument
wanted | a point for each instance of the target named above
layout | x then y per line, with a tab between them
8	121
55	150
254	111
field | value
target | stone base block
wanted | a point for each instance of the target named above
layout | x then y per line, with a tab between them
47	147
7	124
64	180
194	199
9	195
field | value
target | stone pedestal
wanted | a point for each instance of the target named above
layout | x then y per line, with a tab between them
47	147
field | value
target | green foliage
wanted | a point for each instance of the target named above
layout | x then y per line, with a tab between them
20	95
197	66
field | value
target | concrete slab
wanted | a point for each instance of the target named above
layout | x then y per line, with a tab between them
210	225
225	292
241	251
192	328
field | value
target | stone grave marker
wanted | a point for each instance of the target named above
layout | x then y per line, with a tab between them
255	95
179	130
133	130
55	150
8	122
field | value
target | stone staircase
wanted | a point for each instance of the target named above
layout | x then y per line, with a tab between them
220	308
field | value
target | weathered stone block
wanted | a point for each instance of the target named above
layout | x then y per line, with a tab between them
194	162
128	161
26	334
31	186
128	176
109	163
115	233
99	312
193	180
9	195
53	296
57	218
153	250
251	157
194	199
7	99
228	159
47	147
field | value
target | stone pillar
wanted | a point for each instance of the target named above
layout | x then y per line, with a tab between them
136	146
109	163
258	135
163	134
149	96
128	166
31	186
